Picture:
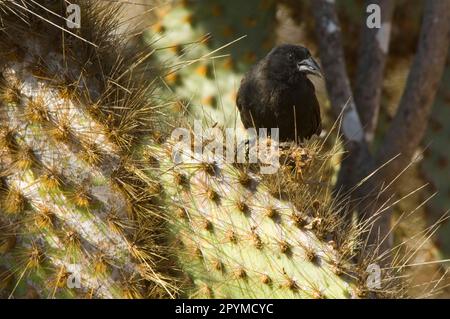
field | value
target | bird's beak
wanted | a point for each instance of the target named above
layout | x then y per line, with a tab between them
309	66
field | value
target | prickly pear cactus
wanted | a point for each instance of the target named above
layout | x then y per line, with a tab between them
73	106
95	204
235	240
193	31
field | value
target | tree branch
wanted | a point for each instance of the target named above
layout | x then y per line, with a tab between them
374	46
410	122
328	31
333	63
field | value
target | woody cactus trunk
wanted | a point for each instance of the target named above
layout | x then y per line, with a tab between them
93	204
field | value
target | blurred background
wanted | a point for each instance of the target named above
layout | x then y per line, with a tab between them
207	46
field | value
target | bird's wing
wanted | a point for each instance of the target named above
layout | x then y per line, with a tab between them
318	117
239	97
245	101
314	106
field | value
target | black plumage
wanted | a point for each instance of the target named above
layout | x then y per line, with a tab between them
276	93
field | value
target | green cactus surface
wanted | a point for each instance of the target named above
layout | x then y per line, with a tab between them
194	31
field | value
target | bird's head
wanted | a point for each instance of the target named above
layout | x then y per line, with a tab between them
289	61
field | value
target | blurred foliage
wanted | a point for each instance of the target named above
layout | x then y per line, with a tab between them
436	162
193	31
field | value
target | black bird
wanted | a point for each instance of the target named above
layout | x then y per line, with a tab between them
276	93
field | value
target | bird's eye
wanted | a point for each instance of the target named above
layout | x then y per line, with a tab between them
290	56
